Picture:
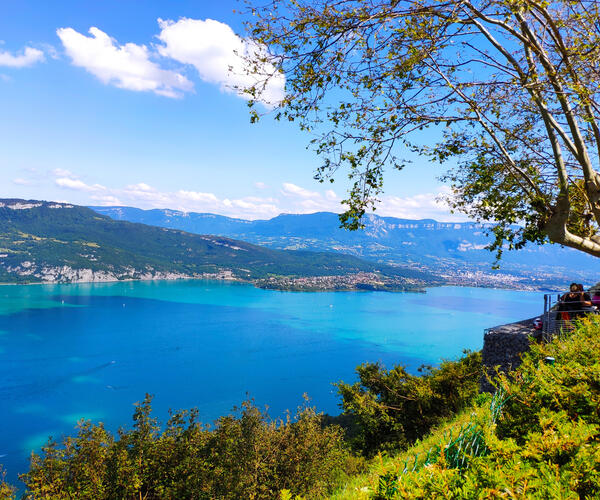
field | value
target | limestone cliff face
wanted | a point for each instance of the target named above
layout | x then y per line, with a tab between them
68	274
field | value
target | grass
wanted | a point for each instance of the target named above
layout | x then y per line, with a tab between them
365	486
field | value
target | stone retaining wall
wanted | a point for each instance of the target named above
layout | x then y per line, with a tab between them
502	347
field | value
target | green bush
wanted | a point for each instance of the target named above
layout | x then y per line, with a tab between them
392	409
571	385
245	455
7	492
546	443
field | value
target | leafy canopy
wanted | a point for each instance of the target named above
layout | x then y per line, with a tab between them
509	86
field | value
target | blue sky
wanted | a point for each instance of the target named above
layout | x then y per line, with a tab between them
127	102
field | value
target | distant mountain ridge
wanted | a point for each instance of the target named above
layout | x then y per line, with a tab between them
442	247
59	242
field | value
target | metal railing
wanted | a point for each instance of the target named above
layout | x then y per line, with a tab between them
559	316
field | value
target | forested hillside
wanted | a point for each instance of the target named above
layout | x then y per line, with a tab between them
46	241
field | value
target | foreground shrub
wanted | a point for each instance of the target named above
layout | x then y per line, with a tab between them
546	443
392	408
246	455
571	385
7	492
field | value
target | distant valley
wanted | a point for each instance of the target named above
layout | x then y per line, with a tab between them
63	243
455	252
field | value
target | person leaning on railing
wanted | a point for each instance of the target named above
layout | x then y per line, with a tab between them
574	304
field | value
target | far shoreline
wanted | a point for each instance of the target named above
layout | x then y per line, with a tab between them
215	280
246	282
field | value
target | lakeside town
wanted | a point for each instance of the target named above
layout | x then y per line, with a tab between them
350	282
375	282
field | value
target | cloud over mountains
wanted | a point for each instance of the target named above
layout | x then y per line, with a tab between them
265	202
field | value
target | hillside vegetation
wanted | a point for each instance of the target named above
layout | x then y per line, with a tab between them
538	437
45	241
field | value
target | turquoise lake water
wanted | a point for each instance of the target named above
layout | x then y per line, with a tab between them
92	350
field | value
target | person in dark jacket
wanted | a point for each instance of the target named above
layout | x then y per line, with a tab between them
575	303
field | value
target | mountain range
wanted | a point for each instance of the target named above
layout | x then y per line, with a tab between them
59	242
455	251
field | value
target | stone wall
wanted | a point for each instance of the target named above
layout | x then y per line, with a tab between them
502	347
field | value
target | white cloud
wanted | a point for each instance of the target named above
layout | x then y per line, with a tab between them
77	185
218	54
142	187
290	189
290	198
250	205
107	199
142	191
61	172
260	185
145	196
297	199
126	66
311	205
196	196
420	206
21	182
50	50
28	57
211	47
259	199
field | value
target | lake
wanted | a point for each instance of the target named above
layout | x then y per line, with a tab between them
92	350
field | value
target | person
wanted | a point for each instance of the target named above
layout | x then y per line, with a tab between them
575	303
585	296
